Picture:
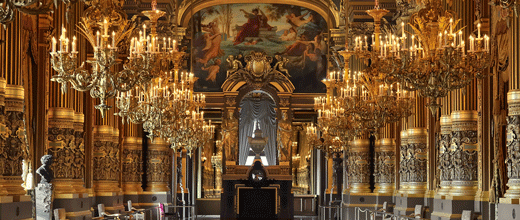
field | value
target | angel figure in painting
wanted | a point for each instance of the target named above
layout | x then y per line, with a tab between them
235	65
281	64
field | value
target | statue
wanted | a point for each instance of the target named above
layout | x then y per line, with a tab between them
280	65
230	136
45	170
284	137
235	65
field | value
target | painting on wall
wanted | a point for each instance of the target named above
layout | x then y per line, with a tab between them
294	32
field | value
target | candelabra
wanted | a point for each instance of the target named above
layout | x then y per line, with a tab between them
436	61
145	62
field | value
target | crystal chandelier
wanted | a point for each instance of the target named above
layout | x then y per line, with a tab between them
435	61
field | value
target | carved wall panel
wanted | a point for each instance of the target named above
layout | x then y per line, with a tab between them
402	159
132	164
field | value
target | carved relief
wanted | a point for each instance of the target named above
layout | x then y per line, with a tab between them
158	166
358	167
230	136
12	152
464	155
106	160
445	163
513	147
69	157
413	166
132	165
384	167
284	137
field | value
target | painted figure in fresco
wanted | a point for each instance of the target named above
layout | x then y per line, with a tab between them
289	35
212	70
297	21
251	28
212	38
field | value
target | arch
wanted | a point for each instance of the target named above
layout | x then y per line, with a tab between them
326	8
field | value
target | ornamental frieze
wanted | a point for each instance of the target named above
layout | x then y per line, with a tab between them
106	160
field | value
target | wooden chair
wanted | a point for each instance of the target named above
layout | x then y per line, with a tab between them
467	215
59	214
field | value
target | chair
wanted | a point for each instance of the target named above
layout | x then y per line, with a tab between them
59	214
384	210
418	211
102	213
138	214
466	215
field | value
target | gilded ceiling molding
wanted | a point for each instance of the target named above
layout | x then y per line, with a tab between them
326	8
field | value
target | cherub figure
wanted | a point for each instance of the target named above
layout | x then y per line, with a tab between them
282	61
45	169
235	65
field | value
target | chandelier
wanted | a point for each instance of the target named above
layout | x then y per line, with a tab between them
105	26
435	61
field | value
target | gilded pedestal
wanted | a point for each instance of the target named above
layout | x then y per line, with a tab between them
415	161
359	166
403	186
384	166
132	165
158	172
445	163
105	162
513	145
464	153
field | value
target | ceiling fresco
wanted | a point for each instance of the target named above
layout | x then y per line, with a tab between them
290	31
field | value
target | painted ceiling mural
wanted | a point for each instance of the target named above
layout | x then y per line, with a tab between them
290	31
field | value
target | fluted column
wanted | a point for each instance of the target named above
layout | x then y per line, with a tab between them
132	160
384	169
445	165
158	171
358	165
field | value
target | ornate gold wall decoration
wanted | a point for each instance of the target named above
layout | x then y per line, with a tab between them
402	161
513	145
105	160
132	160
284	138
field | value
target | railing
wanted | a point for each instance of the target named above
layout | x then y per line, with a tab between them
372	215
329	212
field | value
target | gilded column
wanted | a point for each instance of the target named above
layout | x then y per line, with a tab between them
445	165
384	167
358	165
158	171
105	156
132	160
403	185
13	148
513	140
415	154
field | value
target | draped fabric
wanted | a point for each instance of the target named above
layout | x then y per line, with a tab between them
263	111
